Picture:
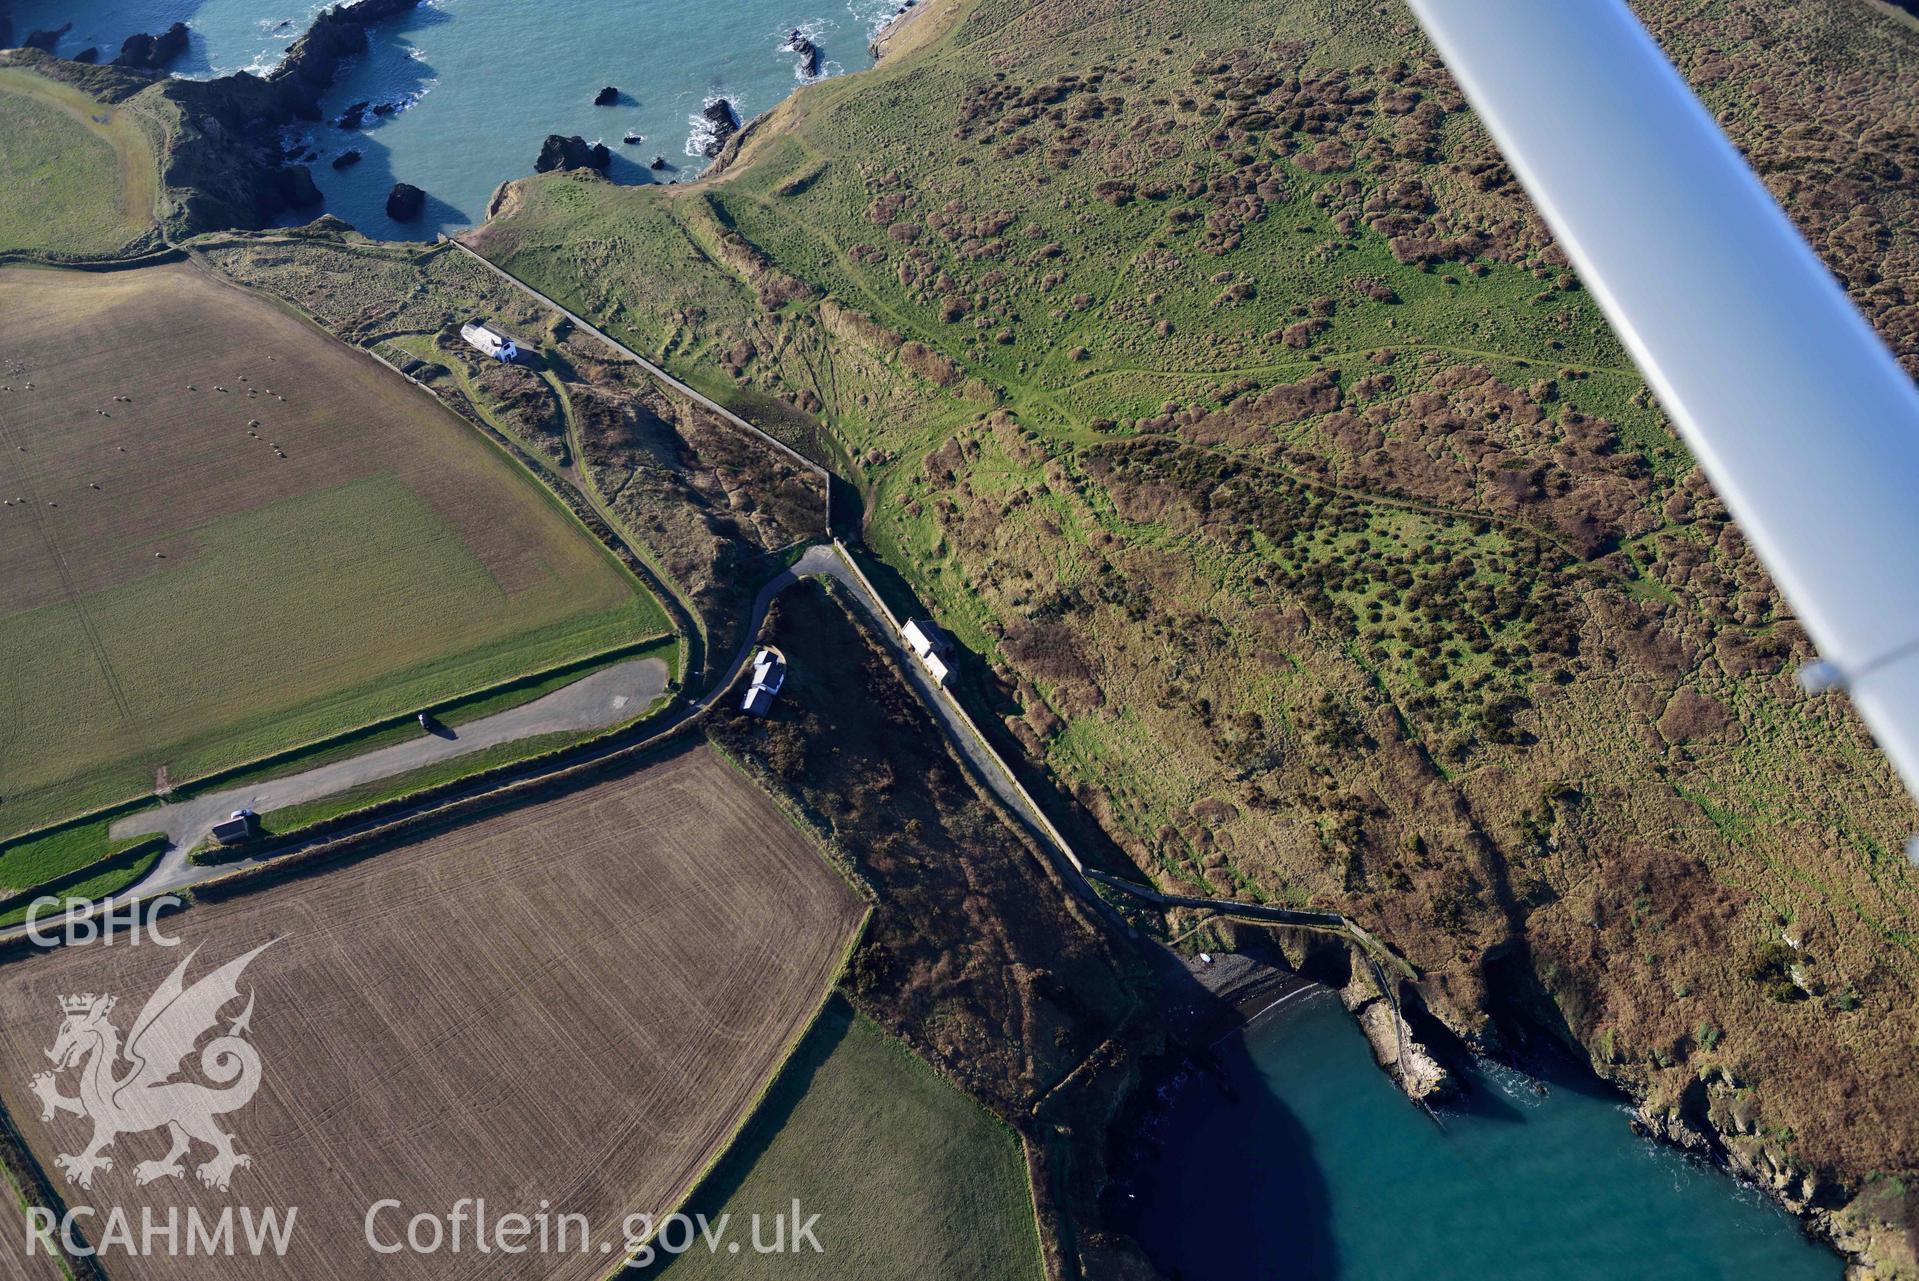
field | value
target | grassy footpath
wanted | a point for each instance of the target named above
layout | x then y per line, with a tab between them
909	1177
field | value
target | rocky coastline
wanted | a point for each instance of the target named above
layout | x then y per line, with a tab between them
1717	1121
223	165
1717	1118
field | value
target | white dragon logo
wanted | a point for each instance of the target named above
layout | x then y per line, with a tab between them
144	1096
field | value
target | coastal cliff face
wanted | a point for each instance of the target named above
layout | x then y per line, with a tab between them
1208	372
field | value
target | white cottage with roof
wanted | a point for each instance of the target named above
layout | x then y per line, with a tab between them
483	337
931	646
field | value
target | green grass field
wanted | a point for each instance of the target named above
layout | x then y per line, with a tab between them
184	592
76	177
109	880
53	854
910	1178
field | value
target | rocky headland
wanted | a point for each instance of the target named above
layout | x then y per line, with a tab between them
152	53
561	151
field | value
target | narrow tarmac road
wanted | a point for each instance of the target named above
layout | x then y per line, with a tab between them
609	695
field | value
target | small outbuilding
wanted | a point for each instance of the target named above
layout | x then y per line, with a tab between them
237	828
483	337
931	646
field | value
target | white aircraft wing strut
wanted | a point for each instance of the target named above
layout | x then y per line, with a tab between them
1807	426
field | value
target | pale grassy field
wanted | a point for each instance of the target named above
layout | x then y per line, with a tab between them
77	177
182	590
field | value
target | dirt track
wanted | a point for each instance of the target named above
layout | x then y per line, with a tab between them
606	696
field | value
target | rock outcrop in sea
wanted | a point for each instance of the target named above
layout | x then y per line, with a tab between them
153	53
810	54
722	123
337	34
227	158
561	151
46	40
606	97
1395	1048
404	202
346	159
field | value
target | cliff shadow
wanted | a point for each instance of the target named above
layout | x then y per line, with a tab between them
1216	1178
357	194
626	169
108	31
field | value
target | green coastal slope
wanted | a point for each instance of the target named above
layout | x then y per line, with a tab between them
77	176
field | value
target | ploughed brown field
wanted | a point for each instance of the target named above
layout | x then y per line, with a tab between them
574	1003
15	1265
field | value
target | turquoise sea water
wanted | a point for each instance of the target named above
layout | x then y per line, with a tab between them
1309	1164
485	81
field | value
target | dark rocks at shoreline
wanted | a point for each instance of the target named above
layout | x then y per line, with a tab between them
606	97
560	151
337	34
632	139
153	53
657	163
810	53
88	55
353	117
346	160
725	121
385	108
294	186
404	202
45	40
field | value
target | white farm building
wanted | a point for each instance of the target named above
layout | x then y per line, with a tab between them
930	645
769	673
483	337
